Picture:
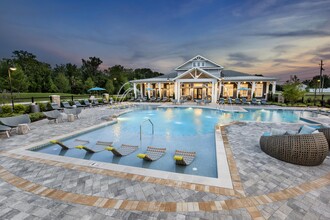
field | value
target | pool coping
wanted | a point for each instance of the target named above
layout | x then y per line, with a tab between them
223	180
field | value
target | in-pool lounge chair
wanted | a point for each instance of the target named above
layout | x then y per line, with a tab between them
184	157
123	150
60	144
5	129
152	153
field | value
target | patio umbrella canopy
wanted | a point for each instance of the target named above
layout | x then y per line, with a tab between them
96	89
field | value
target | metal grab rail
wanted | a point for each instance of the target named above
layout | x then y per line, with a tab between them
152	124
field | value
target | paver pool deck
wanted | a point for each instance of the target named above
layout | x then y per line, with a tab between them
263	187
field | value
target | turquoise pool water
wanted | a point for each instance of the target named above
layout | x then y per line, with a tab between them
189	129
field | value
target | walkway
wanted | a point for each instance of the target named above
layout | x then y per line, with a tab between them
264	187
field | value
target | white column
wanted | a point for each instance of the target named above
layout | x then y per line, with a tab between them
238	89
274	87
178	95
213	99
148	90
175	89
220	88
267	90
253	89
141	89
134	88
160	90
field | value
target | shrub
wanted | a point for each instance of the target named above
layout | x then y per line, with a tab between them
42	106
36	116
21	109
6	109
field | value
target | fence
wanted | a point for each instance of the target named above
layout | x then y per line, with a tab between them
6	99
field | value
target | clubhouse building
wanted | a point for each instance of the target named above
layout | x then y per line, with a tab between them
201	78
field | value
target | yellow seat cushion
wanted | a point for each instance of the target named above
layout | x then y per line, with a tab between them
176	157
80	147
109	148
141	156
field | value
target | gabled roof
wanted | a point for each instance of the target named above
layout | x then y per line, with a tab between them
200	57
195	68
231	73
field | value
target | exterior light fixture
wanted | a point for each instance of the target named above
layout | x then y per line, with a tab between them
11	69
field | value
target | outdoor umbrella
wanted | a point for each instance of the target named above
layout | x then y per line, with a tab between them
96	89
244	89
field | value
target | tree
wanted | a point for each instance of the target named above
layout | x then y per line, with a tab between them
292	91
109	87
62	83
89	83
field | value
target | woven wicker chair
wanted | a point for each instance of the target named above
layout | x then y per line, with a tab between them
301	149
326	132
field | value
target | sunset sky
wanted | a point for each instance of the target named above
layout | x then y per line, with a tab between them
270	37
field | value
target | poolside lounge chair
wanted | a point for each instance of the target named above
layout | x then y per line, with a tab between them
238	101
245	102
230	101
184	157
5	129
174	101
66	105
164	99
53	115
153	99
152	153
221	101
74	111
206	101
263	102
13	122
55	106
79	105
198	101
95	102
87	103
123	150
255	102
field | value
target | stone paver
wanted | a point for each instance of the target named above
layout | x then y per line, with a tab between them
259	174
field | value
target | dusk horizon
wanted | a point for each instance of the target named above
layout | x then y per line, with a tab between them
272	38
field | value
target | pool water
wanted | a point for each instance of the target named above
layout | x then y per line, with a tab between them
189	129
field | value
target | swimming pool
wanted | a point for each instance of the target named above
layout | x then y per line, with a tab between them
189	129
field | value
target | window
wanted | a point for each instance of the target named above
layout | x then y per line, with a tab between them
244	89
228	90
259	90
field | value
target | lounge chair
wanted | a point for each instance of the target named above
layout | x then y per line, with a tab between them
60	144
174	101
87	103
153	99
230	101
53	115
255	102
164	99
79	105
238	101
198	101
89	149
66	105
5	129
245	102
263	102
13	122
184	157
152	153
123	150
95	102
55	106
158	99
74	111
206	101
221	101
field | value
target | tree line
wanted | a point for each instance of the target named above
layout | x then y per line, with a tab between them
32	75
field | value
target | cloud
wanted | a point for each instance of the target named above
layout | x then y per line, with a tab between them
241	64
299	33
241	57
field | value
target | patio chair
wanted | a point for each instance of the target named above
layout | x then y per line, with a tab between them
55	106
221	101
79	105
245	102
230	101
184	157
53	115
301	149
123	150
165	99
174	101
263	102
5	129
66	105
14	121
152	154
60	144
255	102
238	101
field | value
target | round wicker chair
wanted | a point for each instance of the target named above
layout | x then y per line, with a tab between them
301	149
326	132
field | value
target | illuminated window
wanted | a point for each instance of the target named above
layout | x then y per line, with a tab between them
244	89
228	90
259	90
